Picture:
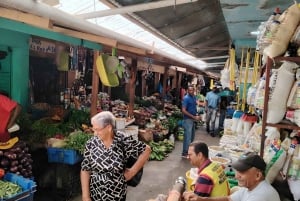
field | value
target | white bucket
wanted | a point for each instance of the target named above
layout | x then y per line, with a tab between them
132	131
120	123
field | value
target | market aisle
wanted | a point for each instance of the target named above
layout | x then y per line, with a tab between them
159	176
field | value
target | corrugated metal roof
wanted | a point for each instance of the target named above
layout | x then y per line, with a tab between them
122	25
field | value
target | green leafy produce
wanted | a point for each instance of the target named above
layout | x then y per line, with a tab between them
77	141
47	129
8	189
76	118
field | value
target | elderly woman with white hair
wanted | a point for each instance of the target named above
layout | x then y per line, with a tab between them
103	172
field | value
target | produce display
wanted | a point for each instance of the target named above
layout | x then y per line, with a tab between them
8	189
17	160
160	149
75	140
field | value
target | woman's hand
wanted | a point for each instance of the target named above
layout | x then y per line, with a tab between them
128	174
190	196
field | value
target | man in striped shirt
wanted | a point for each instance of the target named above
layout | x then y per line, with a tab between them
211	181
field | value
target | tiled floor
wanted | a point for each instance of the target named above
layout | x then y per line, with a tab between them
159	176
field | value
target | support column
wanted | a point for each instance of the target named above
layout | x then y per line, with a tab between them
132	80
95	86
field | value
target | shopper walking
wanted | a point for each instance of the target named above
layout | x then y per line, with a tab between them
103	173
250	173
212	103
212	181
189	110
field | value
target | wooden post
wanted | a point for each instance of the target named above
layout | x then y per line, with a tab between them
143	86
156	80
95	86
166	75
179	78
132	80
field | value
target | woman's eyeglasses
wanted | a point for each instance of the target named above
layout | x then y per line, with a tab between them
99	129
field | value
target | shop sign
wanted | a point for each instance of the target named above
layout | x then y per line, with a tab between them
41	46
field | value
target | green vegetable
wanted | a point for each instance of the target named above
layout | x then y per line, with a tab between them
160	149
77	141
8	189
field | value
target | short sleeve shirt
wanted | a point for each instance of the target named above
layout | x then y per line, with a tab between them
212	99
262	192
190	104
107	165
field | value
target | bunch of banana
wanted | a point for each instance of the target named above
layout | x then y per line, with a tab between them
161	149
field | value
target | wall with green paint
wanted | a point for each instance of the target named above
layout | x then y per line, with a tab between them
18	46
15	35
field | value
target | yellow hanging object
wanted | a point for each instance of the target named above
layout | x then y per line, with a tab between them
211	83
232	68
240	75
9	144
246	80
107	79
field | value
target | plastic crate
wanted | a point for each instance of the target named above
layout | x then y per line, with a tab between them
28	187
65	156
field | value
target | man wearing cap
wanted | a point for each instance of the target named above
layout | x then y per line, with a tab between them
250	173
212	103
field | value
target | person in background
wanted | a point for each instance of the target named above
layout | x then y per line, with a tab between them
212	102
250	173
189	110
223	108
9	111
211	181
103	174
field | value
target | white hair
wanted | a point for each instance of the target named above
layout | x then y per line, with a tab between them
103	119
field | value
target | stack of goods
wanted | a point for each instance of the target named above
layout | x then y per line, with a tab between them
170	109
103	102
142	116
119	109
17	159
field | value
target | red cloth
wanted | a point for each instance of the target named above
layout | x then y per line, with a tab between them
6	107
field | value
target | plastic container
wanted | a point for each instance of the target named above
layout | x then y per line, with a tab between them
28	187
190	181
65	156
120	123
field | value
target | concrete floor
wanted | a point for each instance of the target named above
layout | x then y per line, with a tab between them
159	176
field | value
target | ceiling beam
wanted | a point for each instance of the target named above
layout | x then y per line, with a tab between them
134	8
34	20
216	57
86	36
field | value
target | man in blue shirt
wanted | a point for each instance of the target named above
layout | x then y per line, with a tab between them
189	110
212	103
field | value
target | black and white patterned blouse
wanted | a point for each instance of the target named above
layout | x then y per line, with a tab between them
107	182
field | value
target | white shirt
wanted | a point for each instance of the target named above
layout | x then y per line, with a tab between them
262	192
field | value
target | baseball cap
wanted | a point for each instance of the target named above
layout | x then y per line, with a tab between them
249	160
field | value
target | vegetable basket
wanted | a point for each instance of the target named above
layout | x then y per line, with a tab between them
28	188
65	156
